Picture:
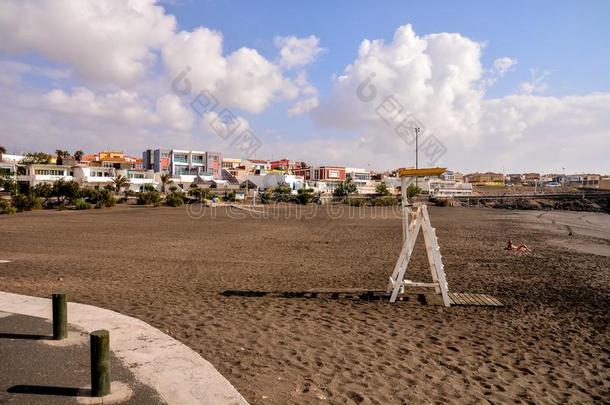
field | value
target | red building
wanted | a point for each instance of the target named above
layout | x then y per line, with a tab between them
285	164
331	173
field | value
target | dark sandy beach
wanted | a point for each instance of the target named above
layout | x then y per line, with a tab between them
550	343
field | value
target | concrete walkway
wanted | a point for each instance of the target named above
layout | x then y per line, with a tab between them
37	370
177	373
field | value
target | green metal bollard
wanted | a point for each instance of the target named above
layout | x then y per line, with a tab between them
100	363
60	316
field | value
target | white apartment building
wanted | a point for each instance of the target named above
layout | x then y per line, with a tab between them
139	178
93	177
362	180
230	163
8	164
184	165
445	188
266	181
31	175
262	166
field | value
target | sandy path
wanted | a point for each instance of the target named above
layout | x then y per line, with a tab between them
550	344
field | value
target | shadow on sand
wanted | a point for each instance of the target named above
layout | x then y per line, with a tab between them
24	336
50	390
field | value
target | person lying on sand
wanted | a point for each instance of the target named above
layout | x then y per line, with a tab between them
521	248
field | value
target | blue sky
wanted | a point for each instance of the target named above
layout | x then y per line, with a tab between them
568	38
500	84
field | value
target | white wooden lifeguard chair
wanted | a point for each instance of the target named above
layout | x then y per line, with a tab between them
413	220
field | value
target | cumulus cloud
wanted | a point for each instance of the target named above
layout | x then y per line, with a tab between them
224	125
173	113
83	119
296	52
120	107
503	65
537	83
547	133
432	78
308	96
437	82
304	106
243	79
110	41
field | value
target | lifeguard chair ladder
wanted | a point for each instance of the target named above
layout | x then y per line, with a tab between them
413	221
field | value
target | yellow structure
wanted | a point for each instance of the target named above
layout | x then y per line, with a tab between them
111	156
430	171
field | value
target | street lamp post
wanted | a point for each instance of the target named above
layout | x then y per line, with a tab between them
416	152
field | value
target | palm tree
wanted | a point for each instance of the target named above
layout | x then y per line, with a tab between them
62	153
78	155
165	178
2	150
120	181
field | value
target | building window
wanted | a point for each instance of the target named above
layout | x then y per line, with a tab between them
180	158
45	172
361	176
198	159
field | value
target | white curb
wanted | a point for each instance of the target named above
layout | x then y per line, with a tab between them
177	373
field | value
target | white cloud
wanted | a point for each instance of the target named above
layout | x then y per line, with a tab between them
83	119
438	79
547	133
122	107
537	83
213	123
308	96
174	114
242	79
110	41
504	65
433	78
304	106
295	52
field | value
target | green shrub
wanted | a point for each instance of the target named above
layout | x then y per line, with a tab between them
66	190
26	202
149	197
9	185
106	198
265	197
81	204
384	201
174	199
199	194
442	202
6	207
355	202
230	196
413	190
304	196
382	189
101	198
